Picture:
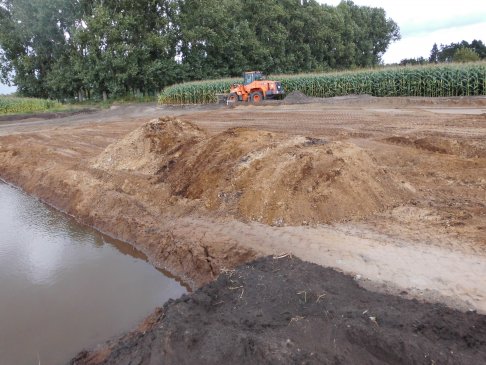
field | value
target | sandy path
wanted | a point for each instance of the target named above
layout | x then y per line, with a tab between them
433	273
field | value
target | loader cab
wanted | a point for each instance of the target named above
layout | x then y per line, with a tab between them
251	76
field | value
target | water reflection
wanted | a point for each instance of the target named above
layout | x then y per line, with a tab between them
64	286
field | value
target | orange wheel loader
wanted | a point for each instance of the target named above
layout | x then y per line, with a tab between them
255	88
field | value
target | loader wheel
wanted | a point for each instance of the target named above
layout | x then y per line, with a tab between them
232	98
256	97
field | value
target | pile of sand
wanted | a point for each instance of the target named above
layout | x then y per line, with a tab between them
150	148
257	175
297	97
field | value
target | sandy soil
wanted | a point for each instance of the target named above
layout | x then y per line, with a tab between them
386	189
390	191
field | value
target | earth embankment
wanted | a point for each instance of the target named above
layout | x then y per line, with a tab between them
217	186
171	168
257	175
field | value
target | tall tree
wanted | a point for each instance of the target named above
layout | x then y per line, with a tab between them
32	35
447	52
214	41
367	34
479	47
127	46
434	54
102	48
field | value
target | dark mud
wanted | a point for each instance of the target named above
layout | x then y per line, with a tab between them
287	311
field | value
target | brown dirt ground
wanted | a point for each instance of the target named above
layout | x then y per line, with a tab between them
390	190
387	166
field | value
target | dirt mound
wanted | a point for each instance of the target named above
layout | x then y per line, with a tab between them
149	148
467	149
269	177
285	311
297	97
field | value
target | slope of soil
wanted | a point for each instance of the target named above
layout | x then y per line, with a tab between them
450	146
262	176
285	311
129	207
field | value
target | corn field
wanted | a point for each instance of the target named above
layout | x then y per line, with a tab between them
14	105
431	80
197	92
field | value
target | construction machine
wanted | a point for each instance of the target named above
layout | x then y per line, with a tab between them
255	88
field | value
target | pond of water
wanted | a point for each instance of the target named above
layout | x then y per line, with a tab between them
65	287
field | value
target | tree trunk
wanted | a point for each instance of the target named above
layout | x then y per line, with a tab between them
105	96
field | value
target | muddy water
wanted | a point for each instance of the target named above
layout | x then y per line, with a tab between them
65	287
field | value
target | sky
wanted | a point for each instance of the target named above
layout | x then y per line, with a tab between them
425	22
4	89
422	23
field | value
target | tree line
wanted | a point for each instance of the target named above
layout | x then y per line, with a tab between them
455	52
109	48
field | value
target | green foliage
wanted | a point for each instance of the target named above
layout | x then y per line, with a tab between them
434	54
413	61
464	54
447	52
225	37
93	49
32	37
434	81
125	47
479	47
454	52
15	105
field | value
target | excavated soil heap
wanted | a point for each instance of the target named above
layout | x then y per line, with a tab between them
257	175
147	149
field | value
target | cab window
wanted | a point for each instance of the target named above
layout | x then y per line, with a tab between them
248	78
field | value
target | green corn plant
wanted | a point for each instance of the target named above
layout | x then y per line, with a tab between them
431	80
16	105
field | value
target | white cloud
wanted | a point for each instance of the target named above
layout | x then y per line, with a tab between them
420	45
423	23
414	13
